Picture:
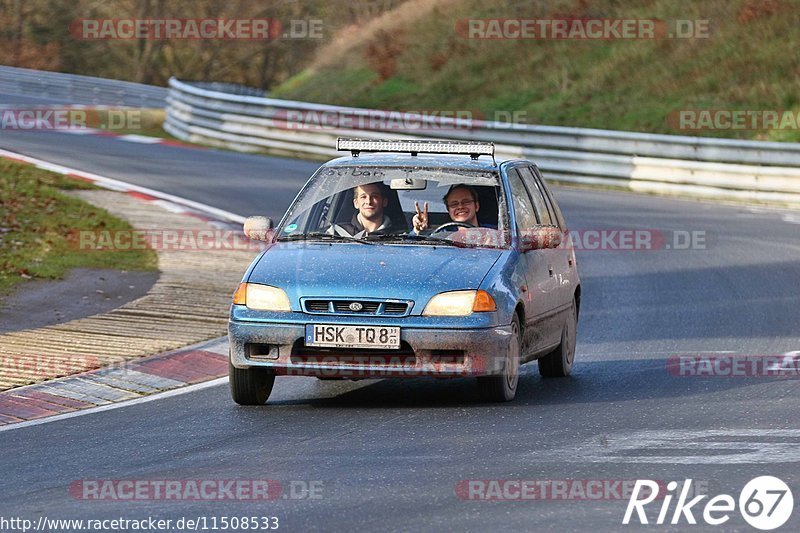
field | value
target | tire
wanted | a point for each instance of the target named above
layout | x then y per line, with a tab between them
503	387
558	363
250	386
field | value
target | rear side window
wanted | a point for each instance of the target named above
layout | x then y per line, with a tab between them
539	201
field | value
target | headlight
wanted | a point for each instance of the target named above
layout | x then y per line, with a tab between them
262	297
459	303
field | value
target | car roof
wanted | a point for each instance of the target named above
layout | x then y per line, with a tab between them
455	162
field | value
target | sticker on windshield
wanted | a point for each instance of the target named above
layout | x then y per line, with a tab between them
290	228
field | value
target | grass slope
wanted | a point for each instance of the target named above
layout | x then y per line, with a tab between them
414	59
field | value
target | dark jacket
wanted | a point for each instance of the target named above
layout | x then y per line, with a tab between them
355	229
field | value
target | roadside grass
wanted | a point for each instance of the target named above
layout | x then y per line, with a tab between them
39	227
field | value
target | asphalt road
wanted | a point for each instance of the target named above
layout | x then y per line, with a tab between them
389	455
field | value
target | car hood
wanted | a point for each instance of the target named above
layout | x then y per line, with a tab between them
408	272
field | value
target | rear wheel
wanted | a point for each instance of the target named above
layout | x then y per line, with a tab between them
558	363
503	387
250	386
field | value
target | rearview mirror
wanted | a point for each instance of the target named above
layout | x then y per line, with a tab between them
408	184
540	238
258	228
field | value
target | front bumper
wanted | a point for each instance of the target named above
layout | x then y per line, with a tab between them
437	352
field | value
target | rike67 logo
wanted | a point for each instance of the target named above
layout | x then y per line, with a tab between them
765	503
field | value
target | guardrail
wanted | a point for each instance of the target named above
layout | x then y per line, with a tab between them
697	166
60	88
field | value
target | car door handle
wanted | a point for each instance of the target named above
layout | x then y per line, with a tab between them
550	269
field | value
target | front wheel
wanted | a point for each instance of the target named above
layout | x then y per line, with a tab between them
558	363
250	386
503	387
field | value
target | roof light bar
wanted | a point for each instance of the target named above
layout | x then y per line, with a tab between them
473	149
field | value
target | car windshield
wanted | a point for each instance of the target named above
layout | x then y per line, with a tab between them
329	206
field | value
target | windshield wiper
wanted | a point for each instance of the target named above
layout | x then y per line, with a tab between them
322	236
417	238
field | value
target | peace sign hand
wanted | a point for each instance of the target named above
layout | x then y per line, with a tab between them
420	220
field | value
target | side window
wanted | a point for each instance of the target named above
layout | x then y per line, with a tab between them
542	209
558	218
523	207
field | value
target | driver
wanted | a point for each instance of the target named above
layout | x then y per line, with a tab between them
462	205
370	200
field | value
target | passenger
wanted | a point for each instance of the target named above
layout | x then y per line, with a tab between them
370	200
462	206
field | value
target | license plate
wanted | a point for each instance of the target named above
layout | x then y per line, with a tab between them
330	336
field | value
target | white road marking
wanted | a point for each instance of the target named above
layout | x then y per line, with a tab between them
117	405
110	183
722	447
786	216
144	139
80	131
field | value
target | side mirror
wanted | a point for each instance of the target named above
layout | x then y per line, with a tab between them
540	238
258	228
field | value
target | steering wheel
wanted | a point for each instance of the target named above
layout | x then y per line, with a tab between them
447	225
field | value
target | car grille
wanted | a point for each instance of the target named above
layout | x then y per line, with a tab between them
367	308
341	306
318	306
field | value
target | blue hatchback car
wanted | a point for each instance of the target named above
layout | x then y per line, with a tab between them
406	259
